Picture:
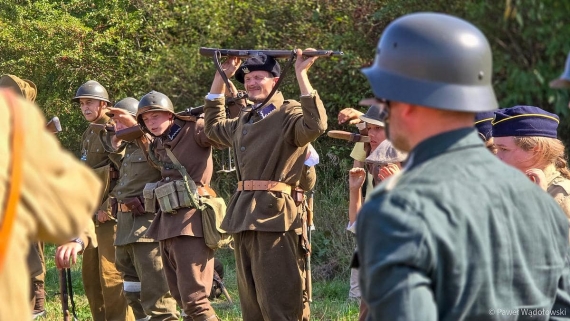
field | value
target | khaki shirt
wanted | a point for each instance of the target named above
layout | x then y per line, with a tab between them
559	188
272	148
135	172
57	197
189	144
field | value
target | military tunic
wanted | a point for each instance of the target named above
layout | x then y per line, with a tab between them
188	262
51	208
460	235
104	292
138	256
270	147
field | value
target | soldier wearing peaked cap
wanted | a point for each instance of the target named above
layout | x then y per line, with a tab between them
137	255
430	237
263	215
526	138
102	281
45	203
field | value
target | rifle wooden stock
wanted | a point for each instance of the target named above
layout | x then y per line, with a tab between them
54	125
209	52
130	134
351	137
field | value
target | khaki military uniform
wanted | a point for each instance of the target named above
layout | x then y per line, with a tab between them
51	208
266	224
559	188
102	281
137	256
188	262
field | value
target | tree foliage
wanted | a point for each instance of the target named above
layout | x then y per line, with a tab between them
134	46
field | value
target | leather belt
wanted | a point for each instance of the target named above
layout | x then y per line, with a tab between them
257	185
123	208
205	191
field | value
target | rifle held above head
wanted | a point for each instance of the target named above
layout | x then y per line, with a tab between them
247	53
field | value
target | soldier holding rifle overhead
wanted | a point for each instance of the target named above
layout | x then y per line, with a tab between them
265	214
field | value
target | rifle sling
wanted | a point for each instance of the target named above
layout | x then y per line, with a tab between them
216	58
70	292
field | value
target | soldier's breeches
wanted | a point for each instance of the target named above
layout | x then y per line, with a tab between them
102	282
144	284
189	269
270	274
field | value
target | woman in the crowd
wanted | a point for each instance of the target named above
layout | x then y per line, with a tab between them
526	138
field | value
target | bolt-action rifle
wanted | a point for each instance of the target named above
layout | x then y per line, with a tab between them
210	52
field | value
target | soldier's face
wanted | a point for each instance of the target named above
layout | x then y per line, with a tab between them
259	84
157	122
91	108
509	152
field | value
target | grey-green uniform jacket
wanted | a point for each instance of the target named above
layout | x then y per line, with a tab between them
462	236
272	148
134	173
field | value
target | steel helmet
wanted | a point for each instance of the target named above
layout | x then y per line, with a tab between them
129	104
92	89
153	101
564	80
433	60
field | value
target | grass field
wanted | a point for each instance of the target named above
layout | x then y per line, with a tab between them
329	297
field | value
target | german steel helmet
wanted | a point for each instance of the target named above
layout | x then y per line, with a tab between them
433	60
564	80
129	104
92	89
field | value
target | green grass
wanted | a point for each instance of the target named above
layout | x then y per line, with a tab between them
329	297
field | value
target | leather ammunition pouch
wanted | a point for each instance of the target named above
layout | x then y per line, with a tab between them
149	197
298	195
134	205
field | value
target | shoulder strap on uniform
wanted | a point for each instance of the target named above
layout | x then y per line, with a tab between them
15	176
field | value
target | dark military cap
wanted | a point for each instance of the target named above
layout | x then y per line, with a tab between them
375	115
524	121
483	124
258	62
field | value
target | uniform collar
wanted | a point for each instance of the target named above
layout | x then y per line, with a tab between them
444	143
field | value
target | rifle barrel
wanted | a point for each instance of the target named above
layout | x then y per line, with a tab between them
210	52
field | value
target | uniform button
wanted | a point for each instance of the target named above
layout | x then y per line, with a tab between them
88	140
97	149
128	155
91	132
124	164
244	132
140	158
242	148
167	179
122	184
119	193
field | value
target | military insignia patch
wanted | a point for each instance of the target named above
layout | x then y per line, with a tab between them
245	70
266	111
174	130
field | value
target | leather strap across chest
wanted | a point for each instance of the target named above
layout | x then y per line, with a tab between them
259	185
